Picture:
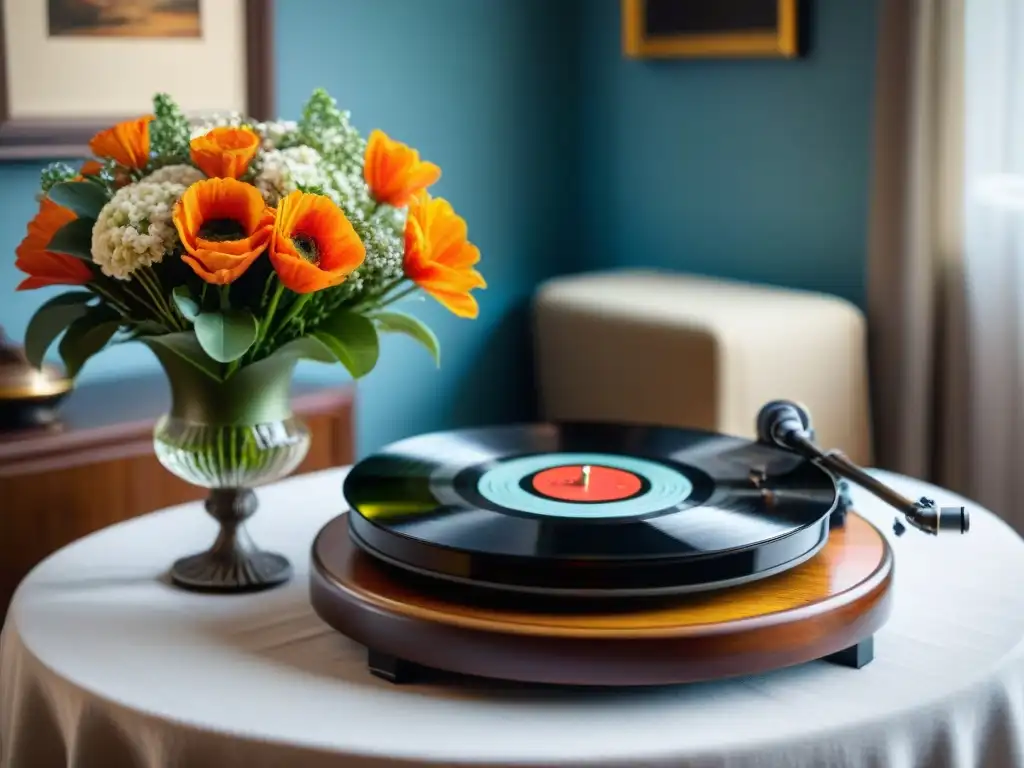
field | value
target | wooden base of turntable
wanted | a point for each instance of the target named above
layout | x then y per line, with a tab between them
827	608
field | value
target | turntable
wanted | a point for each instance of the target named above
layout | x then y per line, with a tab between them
604	554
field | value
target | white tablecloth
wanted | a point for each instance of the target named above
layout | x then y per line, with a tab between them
104	664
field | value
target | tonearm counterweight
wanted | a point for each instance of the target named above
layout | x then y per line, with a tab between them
788	425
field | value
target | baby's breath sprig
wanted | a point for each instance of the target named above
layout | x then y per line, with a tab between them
53	174
328	130
169	133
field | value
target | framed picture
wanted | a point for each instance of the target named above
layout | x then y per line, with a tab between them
710	28
69	68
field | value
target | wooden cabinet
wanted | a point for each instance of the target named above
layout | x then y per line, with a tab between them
98	467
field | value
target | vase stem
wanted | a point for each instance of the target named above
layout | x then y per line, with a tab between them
234	563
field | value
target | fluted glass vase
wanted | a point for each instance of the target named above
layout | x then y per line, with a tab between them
230	437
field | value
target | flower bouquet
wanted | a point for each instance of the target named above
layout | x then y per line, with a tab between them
233	249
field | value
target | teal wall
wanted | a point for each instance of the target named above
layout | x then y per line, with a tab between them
478	87
564	156
753	169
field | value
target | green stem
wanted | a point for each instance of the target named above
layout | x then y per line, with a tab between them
272	309
147	285
157	286
268	318
153	310
377	296
266	289
154	295
400	295
293	310
389	287
110	299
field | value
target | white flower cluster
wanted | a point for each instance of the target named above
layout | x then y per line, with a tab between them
282	171
134	229
275	131
183	175
272	132
385	248
203	124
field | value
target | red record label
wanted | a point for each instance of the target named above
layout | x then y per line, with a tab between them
572	483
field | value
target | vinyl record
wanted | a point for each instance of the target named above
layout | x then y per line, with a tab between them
587	508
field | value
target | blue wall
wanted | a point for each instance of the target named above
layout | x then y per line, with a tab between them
476	87
751	169
564	156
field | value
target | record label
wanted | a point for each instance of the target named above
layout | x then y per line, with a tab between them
585	483
553	485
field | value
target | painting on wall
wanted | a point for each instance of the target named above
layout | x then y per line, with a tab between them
71	67
710	28
123	18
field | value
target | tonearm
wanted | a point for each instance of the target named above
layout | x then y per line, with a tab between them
788	425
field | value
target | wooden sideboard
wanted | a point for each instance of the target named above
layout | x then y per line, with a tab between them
97	467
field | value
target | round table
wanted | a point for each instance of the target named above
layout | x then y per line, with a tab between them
104	663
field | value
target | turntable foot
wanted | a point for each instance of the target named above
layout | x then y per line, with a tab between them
390	668
856	656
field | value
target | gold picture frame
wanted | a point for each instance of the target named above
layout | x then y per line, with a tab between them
779	41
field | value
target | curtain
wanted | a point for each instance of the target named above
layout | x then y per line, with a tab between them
994	247
945	279
915	247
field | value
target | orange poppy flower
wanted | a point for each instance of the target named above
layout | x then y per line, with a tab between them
224	226
314	245
126	143
394	172
225	152
90	168
438	257
43	267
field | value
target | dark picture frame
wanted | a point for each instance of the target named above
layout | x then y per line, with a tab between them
711	28
59	139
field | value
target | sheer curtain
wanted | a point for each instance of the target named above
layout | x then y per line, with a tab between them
945	278
915	273
994	250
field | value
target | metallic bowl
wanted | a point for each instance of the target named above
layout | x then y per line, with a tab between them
28	397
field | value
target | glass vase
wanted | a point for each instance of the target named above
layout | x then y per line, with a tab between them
230	437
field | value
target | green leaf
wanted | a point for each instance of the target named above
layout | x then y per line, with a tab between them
187	305
148	328
183	345
83	197
50	320
352	338
307	348
227	335
413	327
87	336
74	239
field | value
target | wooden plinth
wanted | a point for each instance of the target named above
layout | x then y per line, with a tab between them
829	606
